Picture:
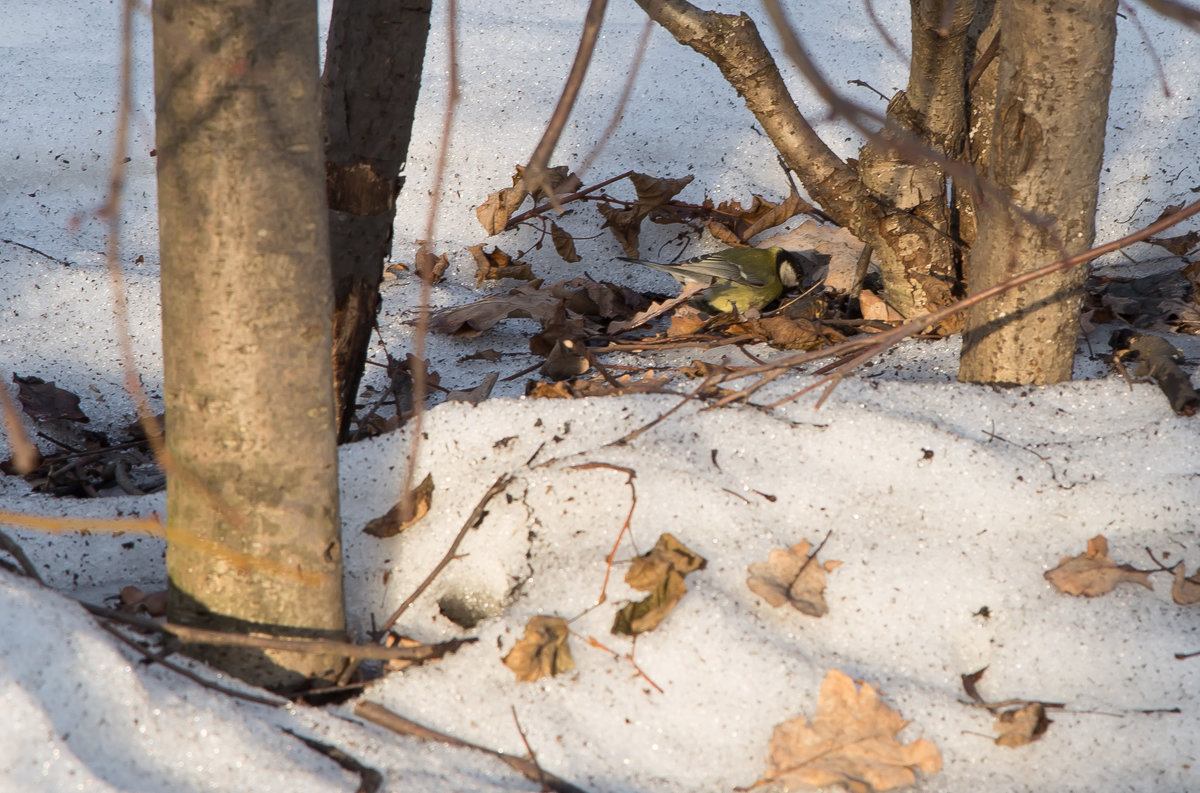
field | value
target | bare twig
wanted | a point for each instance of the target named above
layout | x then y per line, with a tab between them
529	750
421	331
630	475
535	171
473	520
186	634
381	716
32	249
160	658
865	349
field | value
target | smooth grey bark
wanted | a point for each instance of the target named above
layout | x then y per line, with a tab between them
252	500
1046	150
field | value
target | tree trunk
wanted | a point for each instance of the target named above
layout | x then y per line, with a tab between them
253	529
1055	72
933	110
372	77
904	242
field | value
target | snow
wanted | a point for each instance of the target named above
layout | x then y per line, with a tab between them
939	498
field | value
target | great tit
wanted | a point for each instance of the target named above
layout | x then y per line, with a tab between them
741	278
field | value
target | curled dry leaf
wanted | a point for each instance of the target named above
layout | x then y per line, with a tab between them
493	213
1022	725
527	302
1093	573
398	518
1186	589
794	577
660	572
564	244
542	651
498	264
851	741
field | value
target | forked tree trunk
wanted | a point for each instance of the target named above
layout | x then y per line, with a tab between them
1055	73
372	78
252	501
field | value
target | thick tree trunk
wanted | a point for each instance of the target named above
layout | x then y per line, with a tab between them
932	110
1055	72
252	500
372	77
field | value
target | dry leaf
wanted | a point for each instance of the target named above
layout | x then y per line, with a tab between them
44	401
1092	573
657	309
395	521
792	576
851	741
135	601
564	243
468	321
477	394
429	265
498	264
789	333
493	214
542	651
652	193
659	572
1186	589
565	361
1022	725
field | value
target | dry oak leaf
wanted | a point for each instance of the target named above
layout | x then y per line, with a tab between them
792	576
851	741
403	514
494	212
1022	725
660	572
1093	573
1186	589
542	651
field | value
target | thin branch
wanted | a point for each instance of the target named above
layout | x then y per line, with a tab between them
421	331
381	716
186	634
535	171
476	517
160	658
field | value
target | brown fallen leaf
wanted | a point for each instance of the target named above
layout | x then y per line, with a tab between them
136	601
652	193
494	212
394	521
542	651
564	244
44	401
525	302
498	264
791	333
1093	573
1022	725
792	576
1186	589
851	741
660	572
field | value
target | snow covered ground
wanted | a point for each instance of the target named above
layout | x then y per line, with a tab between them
945	503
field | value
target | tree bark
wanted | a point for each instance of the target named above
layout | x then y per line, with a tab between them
903	242
372	77
1047	147
253	529
932	109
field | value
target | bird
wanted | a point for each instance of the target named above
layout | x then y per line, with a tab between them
741	278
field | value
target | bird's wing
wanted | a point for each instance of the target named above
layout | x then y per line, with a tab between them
716	265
